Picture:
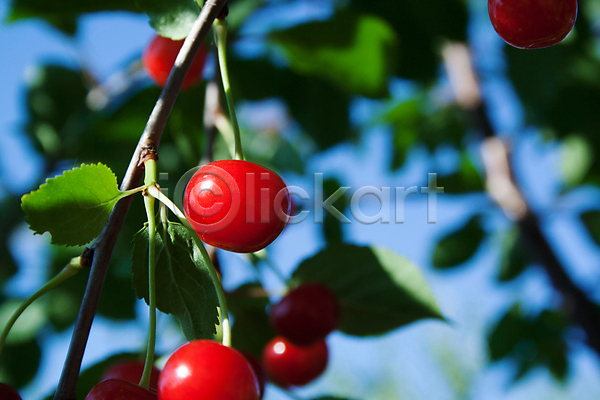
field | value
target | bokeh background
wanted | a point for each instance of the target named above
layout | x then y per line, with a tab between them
543	103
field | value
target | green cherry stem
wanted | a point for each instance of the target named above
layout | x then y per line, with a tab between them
155	192
220	28
150	179
69	270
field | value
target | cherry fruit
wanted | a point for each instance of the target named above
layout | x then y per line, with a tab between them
207	370
8	393
306	314
530	24
259	371
290	365
159	57
236	205
131	370
119	389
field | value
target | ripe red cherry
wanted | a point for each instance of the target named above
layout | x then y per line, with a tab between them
236	205
8	393
131	370
207	370
119	389
530	24
291	365
306	314
259	371
159	58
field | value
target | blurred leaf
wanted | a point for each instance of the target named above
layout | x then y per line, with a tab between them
183	284
378	290
321	109
420	25
514	256
459	246
531	341
58	116
576	159
332	227
173	19
354	52
27	326
591	220
273	151
251	329
20	363
74	206
466	179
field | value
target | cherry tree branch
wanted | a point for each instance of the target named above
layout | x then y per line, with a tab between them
104	246
504	190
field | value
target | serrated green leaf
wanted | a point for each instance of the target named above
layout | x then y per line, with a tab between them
591	220
514	258
459	246
74	206
378	290
354	52
183	284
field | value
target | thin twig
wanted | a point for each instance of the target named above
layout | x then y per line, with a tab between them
103	248
503	188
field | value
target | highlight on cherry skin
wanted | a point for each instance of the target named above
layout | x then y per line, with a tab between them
119	389
237	205
306	314
159	57
207	370
290	365
8	393
531	24
131	370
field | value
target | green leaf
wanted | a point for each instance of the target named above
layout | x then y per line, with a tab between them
174	18
530	341
20	363
183	284
74	206
514	258
251	329
420	26
28	325
466	179
459	246
576	158
354	52
378	290
591	220
319	107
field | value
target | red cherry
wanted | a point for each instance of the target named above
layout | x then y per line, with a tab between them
119	389
159	58
236	205
530	24
8	393
131	370
207	370
259	371
290	365
306	314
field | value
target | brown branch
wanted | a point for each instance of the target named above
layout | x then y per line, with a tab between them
503	188
105	244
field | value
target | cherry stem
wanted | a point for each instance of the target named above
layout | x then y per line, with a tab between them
103	248
150	179
155	192
68	271
220	27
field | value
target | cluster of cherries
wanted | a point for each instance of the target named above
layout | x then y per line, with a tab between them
204	369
